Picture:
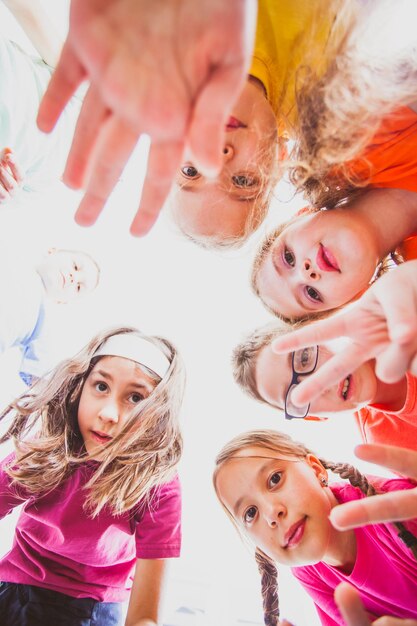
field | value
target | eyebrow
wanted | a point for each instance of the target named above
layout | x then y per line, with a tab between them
260	471
239	198
136	385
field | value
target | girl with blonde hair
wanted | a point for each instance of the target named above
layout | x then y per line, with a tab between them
276	492
96	447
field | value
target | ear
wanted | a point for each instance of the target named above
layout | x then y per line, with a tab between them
317	466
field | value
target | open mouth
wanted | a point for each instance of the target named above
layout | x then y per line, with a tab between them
345	388
101	437
233	123
294	535
326	261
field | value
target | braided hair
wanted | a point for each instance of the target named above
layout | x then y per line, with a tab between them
283	444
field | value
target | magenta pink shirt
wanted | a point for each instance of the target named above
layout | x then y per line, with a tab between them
57	546
385	571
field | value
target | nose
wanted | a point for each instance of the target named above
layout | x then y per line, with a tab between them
309	270
273	513
228	152
109	412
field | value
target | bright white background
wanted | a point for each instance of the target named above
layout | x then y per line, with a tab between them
202	302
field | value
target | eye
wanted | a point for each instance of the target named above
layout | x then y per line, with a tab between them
189	171
249	515
305	356
289	257
274	479
101	387
76	267
244	182
135	398
78	287
313	294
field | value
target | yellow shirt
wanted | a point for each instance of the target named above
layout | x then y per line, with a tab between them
290	35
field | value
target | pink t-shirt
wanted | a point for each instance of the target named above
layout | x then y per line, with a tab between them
57	546
398	428
385	571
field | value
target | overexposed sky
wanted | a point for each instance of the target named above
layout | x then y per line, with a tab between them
201	301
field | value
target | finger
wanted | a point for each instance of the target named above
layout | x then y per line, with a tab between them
67	76
399	307
394	621
330	373
313	334
6	179
207	127
92	116
397	459
115	144
389	507
4	195
163	162
393	363
350	605
15	169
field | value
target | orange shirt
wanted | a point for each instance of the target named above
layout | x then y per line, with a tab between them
397	428
391	159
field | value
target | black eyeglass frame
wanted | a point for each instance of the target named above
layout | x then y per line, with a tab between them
294	382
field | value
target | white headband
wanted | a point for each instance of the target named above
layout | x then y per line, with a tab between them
131	346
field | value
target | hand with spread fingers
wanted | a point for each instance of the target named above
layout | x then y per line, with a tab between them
171	70
392	506
350	605
381	325
10	175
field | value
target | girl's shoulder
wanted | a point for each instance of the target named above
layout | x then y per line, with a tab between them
345	492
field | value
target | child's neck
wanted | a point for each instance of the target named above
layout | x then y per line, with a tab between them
390	214
342	548
392	396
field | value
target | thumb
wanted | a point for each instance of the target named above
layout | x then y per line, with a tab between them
207	127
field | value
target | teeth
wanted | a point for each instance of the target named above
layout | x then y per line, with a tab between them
346	387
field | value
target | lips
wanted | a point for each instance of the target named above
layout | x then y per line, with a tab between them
345	388
326	261
295	533
233	123
101	437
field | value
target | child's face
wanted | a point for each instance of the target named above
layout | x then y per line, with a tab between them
113	389
280	504
274	373
68	274
319	262
219	207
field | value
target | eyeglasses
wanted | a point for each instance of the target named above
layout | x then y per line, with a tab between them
304	362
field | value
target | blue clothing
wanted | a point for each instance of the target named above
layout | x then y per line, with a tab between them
22	315
26	605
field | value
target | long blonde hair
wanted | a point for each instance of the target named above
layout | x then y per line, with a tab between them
281	444
341	112
142	456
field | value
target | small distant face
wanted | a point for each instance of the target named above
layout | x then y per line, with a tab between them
113	390
68	274
319	262
220	206
279	503
274	374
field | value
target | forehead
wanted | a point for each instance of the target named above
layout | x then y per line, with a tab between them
123	370
273	374
244	472
210	210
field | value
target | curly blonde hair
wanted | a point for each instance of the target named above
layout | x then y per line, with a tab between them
143	455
